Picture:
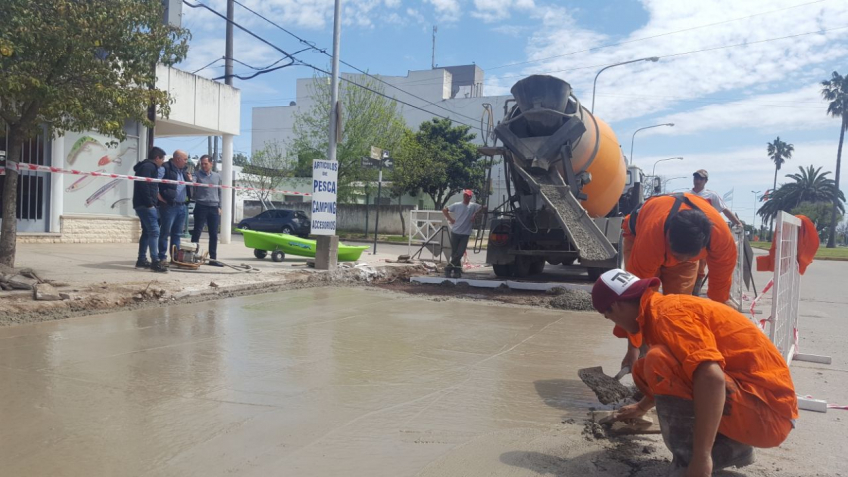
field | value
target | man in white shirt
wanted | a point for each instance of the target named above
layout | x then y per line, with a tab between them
699	180
461	217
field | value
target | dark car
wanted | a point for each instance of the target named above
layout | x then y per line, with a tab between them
292	222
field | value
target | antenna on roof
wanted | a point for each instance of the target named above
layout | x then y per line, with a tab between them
433	62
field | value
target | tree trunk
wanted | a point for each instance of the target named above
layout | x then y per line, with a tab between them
831	236
9	229
774	187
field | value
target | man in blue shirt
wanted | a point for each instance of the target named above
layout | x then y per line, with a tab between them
172	202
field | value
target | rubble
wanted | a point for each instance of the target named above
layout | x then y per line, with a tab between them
20	282
45	292
575	300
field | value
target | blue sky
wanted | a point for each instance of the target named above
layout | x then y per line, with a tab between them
726	102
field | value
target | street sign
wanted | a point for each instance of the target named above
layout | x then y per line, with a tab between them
376	153
324	189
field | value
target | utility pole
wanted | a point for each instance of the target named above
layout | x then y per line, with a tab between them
433	61
228	56
327	246
379	193
209	148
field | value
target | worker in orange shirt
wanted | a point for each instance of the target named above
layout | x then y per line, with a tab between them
666	238
719	385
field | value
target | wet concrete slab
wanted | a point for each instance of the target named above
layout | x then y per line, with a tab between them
324	381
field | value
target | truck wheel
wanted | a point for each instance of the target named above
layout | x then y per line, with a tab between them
501	270
277	256
521	266
596	272
568	261
260	254
537	267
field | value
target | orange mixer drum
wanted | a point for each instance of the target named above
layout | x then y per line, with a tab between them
606	165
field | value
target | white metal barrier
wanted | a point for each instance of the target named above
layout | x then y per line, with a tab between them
782	326
737	293
426	226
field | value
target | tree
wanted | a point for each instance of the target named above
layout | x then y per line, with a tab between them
779	152
439	160
369	119
77	66
810	185
240	160
818	212
842	232
835	90
268	168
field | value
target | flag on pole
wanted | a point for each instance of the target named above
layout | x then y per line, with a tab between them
728	196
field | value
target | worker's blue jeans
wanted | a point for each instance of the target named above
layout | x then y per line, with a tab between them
172	221
149	239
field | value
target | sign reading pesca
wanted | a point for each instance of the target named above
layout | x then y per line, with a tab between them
324	187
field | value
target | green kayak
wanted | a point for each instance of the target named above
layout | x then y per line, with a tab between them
280	244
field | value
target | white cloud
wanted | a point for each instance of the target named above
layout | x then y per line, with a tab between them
494	10
760	67
743	169
795	110
446	10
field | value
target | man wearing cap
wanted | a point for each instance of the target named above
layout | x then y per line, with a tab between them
719	385
461	217
699	179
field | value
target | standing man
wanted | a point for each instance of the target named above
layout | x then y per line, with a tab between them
719	385
207	207
699	179
461	217
145	197
172	202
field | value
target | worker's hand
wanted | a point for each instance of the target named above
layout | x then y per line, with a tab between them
700	466
632	411
188	176
452	221
219	211
630	357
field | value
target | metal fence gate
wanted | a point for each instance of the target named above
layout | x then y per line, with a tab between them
33	187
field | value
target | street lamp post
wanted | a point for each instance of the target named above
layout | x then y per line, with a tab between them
654	170
640	129
669	180
754	220
595	83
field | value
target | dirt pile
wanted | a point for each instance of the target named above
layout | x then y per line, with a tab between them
567	299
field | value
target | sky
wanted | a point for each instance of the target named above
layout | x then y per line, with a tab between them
732	75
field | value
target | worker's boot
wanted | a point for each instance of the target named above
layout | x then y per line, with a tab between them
677	423
449	270
699	283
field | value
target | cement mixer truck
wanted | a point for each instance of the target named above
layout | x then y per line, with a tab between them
567	182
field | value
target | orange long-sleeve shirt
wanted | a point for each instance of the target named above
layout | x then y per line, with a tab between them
696	330
651	249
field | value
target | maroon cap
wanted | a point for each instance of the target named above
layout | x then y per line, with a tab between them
615	285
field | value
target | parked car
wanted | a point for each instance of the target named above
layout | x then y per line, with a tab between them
292	222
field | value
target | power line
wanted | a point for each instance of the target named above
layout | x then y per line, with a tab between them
295	60
312	46
208	65
653	36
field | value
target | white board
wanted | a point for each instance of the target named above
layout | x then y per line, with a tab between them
324	190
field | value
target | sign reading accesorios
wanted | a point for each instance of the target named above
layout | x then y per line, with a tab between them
324	187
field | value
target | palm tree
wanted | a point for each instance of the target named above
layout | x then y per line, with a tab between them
835	90
810	185
779	152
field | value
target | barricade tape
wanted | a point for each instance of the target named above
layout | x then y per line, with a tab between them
756	300
57	170
829	406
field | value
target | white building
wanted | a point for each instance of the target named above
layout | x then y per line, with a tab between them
454	91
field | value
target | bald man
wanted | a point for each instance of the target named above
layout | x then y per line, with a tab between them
172	203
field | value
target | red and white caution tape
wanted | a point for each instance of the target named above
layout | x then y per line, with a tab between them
58	170
756	300
829	406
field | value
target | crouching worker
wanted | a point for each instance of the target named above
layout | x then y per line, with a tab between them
719	385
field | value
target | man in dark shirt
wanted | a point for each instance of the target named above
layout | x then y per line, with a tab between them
145	198
207	206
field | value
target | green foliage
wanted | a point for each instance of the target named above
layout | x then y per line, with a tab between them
267	169
835	91
240	160
83	65
779	152
818	212
439	160
810	185
368	119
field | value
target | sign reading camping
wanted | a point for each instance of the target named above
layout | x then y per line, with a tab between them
324	187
